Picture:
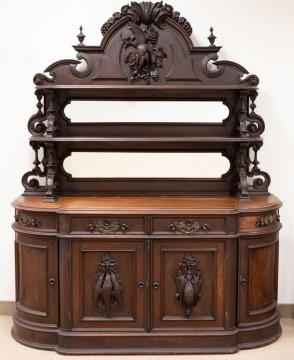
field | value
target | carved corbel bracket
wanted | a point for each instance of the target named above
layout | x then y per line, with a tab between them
36	124
249	124
263	180
32	185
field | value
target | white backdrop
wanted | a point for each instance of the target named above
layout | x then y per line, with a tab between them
256	34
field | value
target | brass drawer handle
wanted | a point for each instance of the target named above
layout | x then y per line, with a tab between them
107	226
156	285
141	284
243	282
52	281
188	227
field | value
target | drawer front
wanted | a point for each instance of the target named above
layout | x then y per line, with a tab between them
259	222
43	222
189	225
107	225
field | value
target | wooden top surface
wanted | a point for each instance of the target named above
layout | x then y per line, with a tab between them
148	204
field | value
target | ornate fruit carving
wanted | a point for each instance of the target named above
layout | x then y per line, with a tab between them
188	227
108	289
189	279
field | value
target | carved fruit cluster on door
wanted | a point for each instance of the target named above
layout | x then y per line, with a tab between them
189	279
108	289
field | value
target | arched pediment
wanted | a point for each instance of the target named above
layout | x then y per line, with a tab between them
146	44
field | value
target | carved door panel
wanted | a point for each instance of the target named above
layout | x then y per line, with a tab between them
37	278
188	284
258	278
108	286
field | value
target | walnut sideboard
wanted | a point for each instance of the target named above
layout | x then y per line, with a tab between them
146	265
63	248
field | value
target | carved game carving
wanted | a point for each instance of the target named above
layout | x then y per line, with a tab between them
189	279
108	288
145	57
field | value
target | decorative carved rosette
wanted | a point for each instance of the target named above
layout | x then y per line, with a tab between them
268	220
188	227
107	289
107	226
189	279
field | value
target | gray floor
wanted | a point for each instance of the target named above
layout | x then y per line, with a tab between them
282	349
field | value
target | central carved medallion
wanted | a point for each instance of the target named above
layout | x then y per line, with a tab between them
108	288
189	279
145	57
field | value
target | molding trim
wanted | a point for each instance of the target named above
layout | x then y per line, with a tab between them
7	308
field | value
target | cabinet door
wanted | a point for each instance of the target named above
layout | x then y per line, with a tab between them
108	286
189	284
37	278
258	278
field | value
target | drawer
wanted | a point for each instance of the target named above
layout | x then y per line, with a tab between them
43	222
259	222
107	225
190	225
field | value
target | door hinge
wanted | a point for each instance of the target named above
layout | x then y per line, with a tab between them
226	316
69	316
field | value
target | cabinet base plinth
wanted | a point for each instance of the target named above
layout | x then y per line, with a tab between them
130	342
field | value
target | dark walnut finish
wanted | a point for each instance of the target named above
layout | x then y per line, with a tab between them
144	266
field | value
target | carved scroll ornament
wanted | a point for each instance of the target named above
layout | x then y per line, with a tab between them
188	227
189	279
108	288
107	226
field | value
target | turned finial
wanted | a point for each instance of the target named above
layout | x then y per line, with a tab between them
81	36
211	37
